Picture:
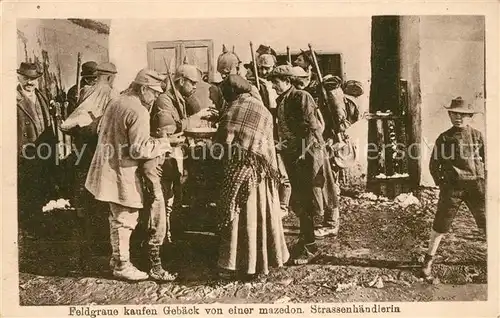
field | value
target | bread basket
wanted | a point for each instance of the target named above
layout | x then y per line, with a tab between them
201	132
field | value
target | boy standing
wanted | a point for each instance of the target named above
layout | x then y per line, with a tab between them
457	166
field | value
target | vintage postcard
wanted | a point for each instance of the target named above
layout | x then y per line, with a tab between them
292	159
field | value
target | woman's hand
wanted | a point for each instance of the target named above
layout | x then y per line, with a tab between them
207	113
166	130
176	139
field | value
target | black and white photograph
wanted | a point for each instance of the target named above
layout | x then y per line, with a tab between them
278	165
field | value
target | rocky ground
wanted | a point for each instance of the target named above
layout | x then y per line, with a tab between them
374	258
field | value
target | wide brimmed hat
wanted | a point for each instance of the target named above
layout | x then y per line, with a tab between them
459	105
29	70
149	78
89	69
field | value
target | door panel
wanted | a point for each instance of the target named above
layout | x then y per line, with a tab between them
197	52
162	55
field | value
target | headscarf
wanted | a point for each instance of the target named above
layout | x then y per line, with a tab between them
233	86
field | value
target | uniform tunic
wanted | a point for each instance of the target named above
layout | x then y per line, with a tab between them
124	139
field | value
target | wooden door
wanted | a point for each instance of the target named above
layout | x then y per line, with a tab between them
175	53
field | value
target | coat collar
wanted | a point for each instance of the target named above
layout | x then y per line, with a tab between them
283	96
24	103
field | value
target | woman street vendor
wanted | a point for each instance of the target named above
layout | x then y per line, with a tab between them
251	230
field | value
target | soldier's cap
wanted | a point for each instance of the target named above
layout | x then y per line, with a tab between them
282	70
89	69
149	78
106	68
299	72
266	60
459	105
227	61
187	71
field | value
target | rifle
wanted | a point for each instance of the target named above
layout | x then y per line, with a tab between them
257	83
328	102
171	80
78	65
288	55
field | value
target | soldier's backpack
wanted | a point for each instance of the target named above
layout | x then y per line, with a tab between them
351	109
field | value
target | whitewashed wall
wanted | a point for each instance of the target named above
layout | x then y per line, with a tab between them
451	65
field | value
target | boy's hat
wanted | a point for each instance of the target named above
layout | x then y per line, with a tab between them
458	105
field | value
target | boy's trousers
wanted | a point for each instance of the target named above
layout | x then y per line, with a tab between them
451	196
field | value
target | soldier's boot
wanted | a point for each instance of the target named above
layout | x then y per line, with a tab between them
157	272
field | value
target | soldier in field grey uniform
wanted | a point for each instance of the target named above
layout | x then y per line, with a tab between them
124	141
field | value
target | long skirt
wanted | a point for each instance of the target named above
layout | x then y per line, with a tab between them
254	240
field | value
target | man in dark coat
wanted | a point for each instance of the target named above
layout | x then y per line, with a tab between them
301	147
325	198
36	142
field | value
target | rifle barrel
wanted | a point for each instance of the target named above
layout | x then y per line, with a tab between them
257	83
316	65
78	66
326	100
171	80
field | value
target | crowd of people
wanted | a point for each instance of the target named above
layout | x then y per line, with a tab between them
278	132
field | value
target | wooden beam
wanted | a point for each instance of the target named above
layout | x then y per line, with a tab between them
409	47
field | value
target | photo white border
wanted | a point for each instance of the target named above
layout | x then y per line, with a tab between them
13	10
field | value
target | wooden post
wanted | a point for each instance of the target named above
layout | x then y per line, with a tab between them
409	47
383	90
395	87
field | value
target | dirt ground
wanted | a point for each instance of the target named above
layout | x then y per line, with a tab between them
375	257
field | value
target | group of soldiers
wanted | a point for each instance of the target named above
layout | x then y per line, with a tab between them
304	106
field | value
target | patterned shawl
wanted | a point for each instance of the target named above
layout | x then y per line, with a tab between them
246	133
